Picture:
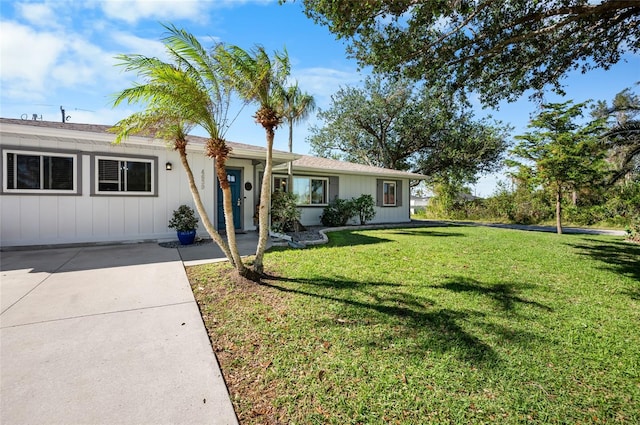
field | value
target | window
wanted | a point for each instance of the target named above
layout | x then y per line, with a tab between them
280	184
310	191
388	194
125	176
40	172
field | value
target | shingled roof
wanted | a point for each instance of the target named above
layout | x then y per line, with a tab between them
104	130
313	163
93	128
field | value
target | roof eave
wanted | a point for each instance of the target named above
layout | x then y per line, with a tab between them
402	175
68	134
279	157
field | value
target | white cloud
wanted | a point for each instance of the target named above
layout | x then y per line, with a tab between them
132	11
106	116
34	63
139	45
323	82
27	57
40	14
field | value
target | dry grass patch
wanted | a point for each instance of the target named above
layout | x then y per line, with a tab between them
226	301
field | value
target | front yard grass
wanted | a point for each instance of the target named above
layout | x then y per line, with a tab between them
432	325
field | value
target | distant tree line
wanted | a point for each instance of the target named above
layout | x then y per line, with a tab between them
581	173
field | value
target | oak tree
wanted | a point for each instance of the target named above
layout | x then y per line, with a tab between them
398	125
497	48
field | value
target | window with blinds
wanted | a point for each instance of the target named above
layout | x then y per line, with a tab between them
125	175
39	172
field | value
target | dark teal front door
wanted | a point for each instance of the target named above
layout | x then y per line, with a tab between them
235	183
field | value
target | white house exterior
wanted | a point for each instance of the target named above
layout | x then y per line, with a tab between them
348	180
64	183
419	203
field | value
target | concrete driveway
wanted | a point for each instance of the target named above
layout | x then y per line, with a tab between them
105	335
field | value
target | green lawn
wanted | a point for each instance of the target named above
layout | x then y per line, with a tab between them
432	325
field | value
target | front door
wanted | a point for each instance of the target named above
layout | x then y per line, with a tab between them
235	183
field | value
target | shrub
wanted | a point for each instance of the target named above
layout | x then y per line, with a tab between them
285	215
633	230
183	219
338	212
363	207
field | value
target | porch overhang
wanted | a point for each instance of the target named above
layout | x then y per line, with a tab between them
278	157
314	165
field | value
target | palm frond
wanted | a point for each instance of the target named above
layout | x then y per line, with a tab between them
296	105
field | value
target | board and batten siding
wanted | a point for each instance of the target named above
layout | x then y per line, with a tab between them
353	186
43	219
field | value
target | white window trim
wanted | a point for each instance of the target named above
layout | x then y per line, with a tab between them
41	154
326	194
395	193
96	176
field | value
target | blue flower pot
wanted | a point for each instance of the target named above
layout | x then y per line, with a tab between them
186	237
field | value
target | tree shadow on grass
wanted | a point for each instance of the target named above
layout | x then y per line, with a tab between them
350	238
505	295
355	237
619	257
424	232
409	320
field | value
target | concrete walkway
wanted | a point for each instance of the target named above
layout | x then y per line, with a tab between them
192	255
105	335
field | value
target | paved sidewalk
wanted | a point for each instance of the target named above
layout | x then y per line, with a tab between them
210	252
105	335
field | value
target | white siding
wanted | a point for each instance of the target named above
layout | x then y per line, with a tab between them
59	219
353	186
31	219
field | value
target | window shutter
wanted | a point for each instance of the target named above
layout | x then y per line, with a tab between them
334	188
11	169
379	194
398	193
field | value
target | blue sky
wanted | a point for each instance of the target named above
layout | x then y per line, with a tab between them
61	53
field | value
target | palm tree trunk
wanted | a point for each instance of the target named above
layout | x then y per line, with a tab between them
290	166
227	204
206	222
559	210
265	203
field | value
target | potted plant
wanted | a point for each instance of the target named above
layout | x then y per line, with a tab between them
185	222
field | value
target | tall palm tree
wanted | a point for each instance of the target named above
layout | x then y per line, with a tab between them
258	79
297	106
178	95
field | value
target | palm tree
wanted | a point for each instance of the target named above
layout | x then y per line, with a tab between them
177	96
297	106
257	78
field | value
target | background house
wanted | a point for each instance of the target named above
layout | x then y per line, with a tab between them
419	203
68	183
